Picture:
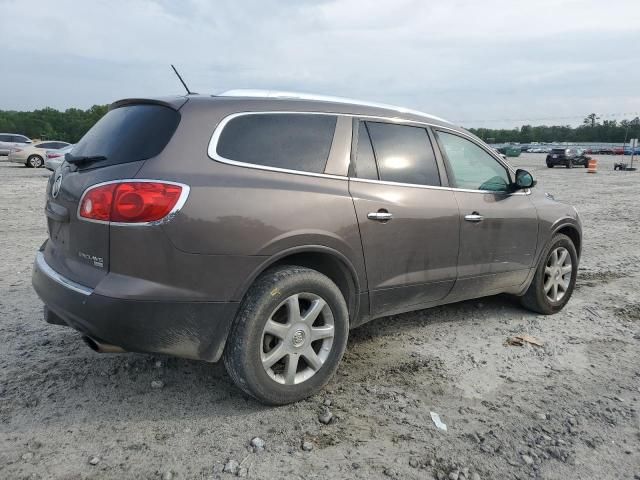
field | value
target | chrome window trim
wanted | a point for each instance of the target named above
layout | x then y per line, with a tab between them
184	194
46	269
213	143
212	150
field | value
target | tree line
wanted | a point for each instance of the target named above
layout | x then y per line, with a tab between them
70	125
51	124
591	130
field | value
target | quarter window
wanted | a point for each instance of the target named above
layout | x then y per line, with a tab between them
471	166
289	141
403	154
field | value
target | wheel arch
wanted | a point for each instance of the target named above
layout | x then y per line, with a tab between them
573	233
325	260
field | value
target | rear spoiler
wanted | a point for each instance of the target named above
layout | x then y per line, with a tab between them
175	103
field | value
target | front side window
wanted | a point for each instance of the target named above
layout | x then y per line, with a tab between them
471	166
290	141
403	154
365	160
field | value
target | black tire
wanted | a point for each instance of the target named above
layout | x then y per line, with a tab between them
35	161
535	298
569	164
242	355
549	165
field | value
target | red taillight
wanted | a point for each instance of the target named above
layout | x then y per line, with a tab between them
131	201
53	155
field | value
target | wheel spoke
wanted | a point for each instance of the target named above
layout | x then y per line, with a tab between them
563	256
548	284
566	269
314	311
312	359
293	309
554	258
276	329
318	333
565	284
548	270
271	358
291	369
554	291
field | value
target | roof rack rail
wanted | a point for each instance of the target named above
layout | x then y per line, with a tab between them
278	94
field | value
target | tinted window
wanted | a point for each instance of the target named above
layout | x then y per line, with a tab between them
43	145
365	160
291	141
404	154
128	134
20	139
471	166
5	138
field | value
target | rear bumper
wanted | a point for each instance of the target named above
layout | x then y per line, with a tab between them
186	329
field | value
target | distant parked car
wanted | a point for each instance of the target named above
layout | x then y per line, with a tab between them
618	150
54	158
567	157
33	155
12	140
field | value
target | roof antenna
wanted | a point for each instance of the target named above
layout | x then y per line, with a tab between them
189	92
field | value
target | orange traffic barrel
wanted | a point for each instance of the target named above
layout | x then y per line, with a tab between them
592	166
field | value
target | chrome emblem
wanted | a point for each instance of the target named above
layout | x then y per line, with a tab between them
298	338
55	189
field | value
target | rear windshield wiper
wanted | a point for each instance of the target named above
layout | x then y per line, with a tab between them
77	159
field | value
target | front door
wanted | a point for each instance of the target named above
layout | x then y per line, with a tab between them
499	226
409	224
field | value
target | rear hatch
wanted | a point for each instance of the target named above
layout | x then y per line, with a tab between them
117	146
558	152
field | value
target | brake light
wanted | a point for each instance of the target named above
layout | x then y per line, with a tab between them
131	201
53	155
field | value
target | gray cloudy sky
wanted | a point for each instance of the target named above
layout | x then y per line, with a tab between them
478	63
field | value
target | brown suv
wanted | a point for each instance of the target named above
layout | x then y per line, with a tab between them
260	228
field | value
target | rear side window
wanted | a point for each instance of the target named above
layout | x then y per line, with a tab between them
404	154
129	133
281	140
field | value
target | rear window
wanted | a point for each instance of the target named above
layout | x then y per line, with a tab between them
289	141
558	150
129	133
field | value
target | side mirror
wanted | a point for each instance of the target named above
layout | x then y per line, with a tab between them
524	179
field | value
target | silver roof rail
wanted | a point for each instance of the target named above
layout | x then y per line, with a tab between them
257	93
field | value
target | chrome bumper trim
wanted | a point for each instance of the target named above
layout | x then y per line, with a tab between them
44	267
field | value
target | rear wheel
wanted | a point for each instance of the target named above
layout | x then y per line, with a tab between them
555	278
289	335
35	161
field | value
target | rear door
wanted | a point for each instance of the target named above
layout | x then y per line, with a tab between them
409	224
499	227
127	136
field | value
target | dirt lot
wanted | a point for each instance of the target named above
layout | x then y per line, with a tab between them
566	410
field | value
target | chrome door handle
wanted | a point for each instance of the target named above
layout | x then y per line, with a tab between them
474	217
379	216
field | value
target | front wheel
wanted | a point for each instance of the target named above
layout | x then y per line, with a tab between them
289	335
549	165
555	278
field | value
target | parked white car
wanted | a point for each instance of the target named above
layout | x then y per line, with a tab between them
12	140
33	155
54	158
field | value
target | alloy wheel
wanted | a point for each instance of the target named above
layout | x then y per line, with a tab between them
557	274
297	338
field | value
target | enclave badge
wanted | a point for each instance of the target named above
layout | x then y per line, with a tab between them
55	189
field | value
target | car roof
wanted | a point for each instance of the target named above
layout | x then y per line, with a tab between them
247	100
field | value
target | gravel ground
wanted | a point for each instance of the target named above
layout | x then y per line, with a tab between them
568	409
